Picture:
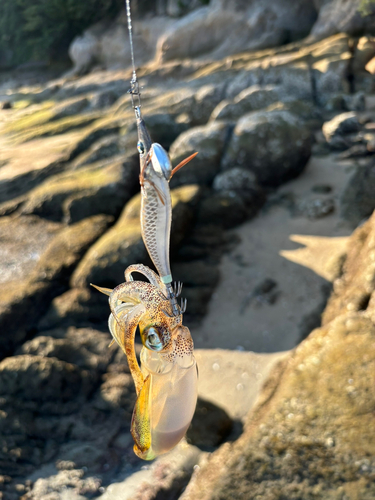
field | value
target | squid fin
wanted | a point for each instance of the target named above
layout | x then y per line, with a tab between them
106	291
141	427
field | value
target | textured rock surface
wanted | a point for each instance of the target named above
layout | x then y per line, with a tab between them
68	154
27	294
250	99
274	145
337	16
357	201
353	292
310	436
209	142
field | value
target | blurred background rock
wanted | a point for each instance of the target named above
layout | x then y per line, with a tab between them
278	99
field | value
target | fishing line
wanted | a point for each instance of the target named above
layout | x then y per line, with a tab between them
134	85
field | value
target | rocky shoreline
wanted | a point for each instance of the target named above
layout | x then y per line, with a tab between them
70	216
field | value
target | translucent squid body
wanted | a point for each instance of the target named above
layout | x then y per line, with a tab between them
166	383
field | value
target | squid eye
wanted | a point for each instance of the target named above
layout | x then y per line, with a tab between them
152	339
141	148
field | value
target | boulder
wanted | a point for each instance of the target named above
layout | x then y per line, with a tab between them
274	144
206	98
72	196
353	291
337	16
364	52
104	264
84	347
243	184
357	201
251	99
209	141
331	76
224	28
76	307
336	130
224	209
41	379
310	435
45	254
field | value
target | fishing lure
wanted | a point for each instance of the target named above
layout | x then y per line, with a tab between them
166	382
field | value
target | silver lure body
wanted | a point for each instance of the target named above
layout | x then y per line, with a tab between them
156	204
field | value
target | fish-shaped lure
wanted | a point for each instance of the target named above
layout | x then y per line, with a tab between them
156	205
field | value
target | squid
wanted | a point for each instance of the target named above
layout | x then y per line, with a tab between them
166	382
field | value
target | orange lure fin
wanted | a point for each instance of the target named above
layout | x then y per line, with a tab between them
183	163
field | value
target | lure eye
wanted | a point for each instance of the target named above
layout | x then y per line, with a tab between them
152	339
141	148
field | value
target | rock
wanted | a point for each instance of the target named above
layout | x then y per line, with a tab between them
193	35
225	209
337	16
210	426
310	435
316	208
251	99
85	348
117	391
76	307
205	100
72	196
222	28
179	8
84	50
209	141
6	105
243	183
339	126
236	179
353	290
370	66
24	168
166	477
114	42
104	99
105	262
106	147
291	78
331	76
364	52
357	200
43	270
304	110
70	107
275	145
69	482
40	379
